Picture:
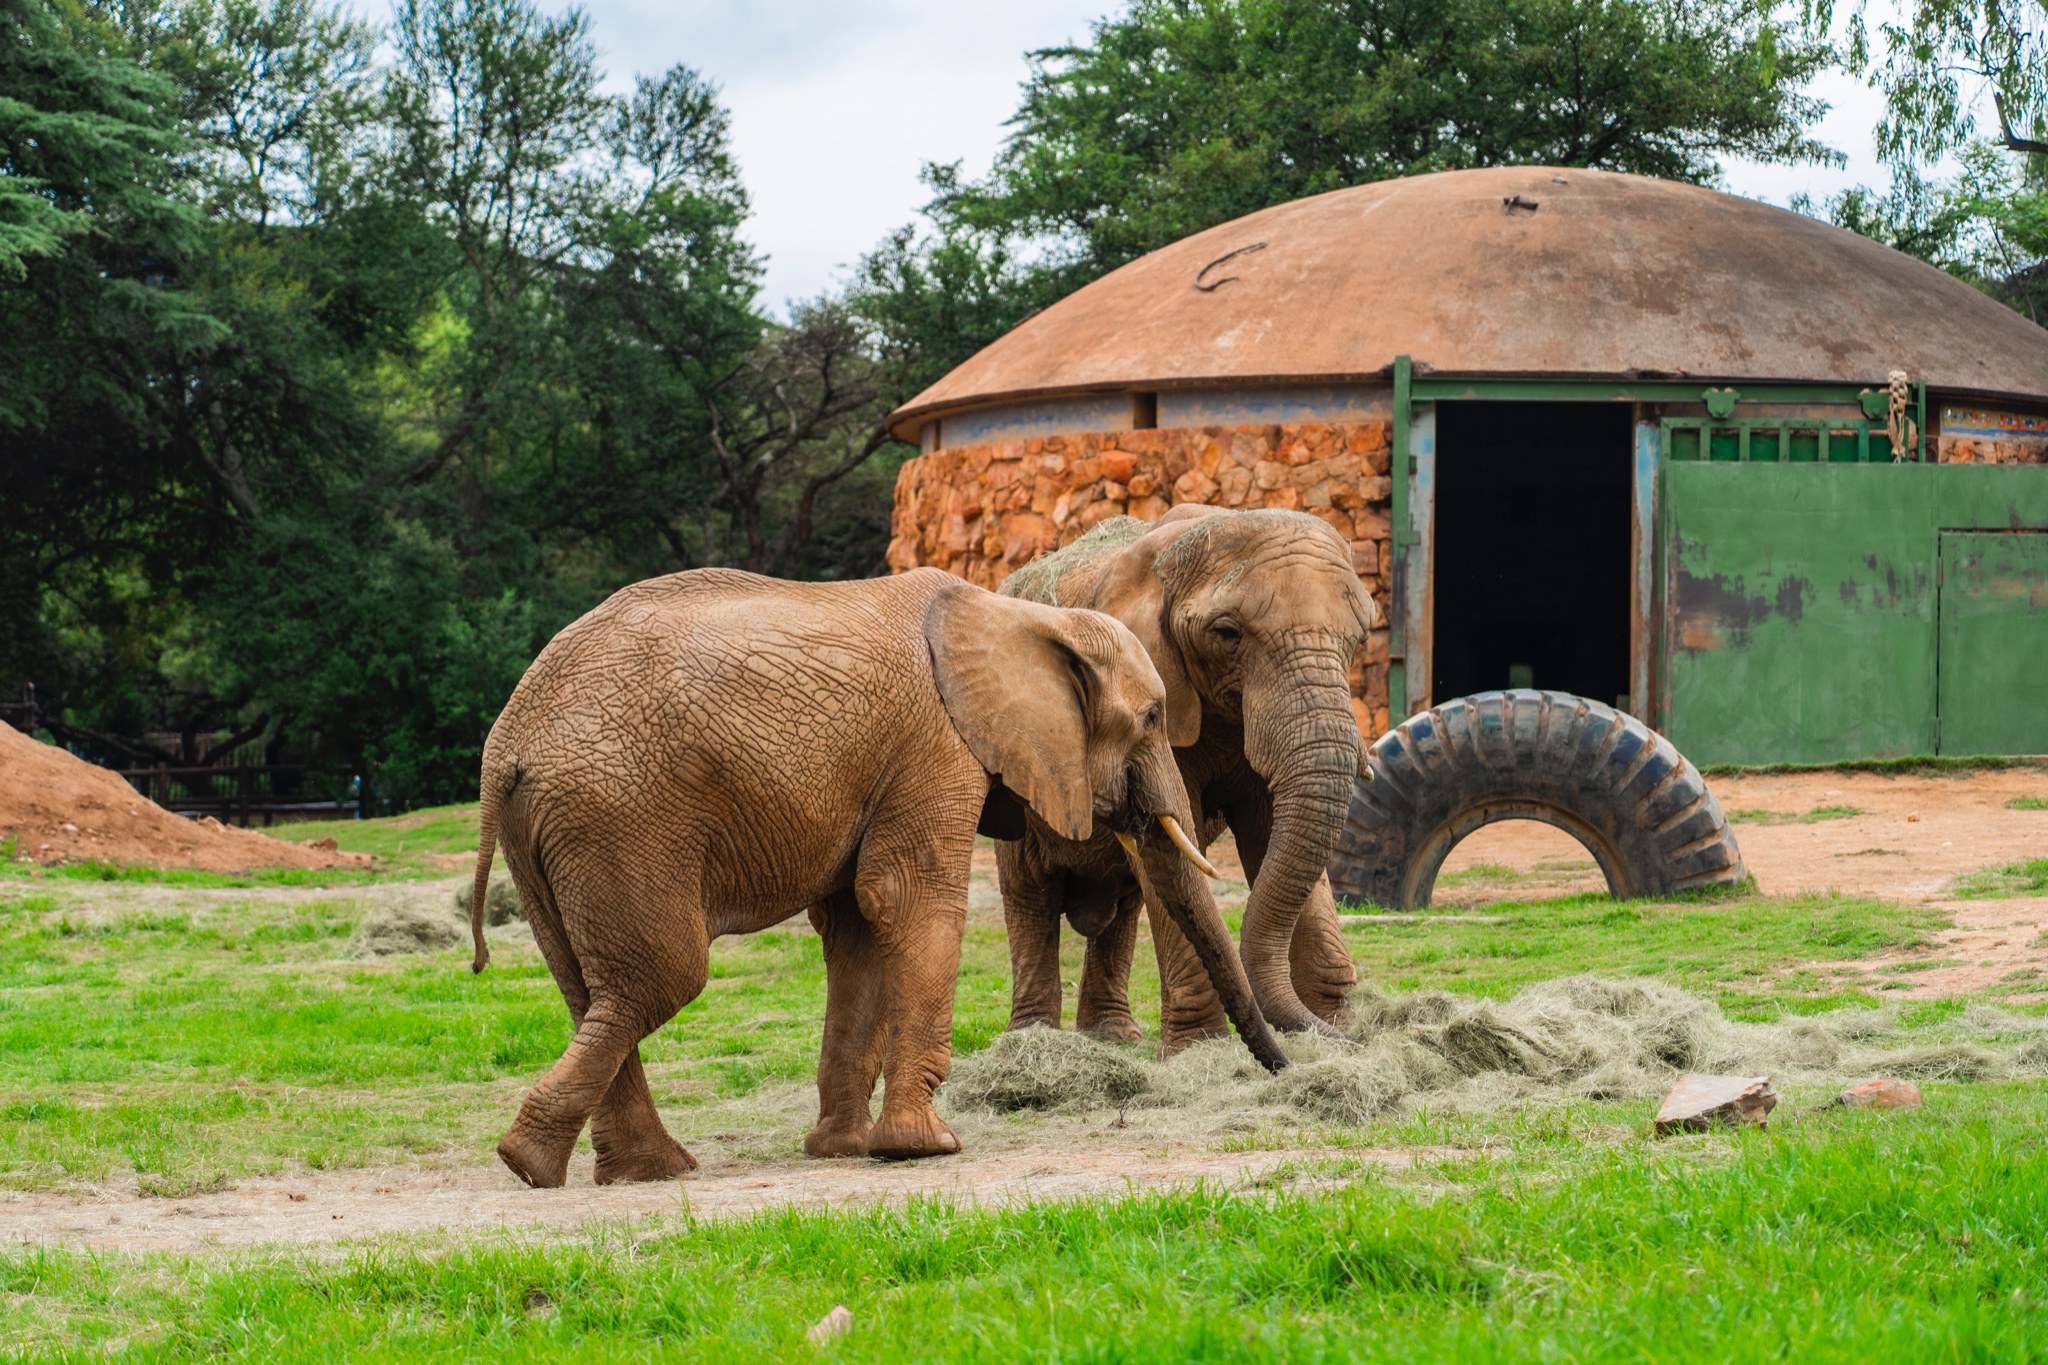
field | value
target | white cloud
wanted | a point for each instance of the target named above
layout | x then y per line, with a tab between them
836	105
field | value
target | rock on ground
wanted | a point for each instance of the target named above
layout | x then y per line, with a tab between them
1698	1103
1884	1093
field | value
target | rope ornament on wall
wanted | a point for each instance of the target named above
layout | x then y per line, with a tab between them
1902	430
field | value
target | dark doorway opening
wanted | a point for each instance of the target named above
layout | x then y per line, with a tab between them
1532	548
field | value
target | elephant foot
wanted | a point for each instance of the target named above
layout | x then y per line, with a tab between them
541	1164
1115	1028
662	1160
832	1137
907	1135
1176	1035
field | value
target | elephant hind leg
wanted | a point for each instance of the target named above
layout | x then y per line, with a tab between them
1033	901
1104	1008
627	1134
616	1000
850	1060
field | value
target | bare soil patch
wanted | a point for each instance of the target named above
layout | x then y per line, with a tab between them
60	809
337	1206
1910	840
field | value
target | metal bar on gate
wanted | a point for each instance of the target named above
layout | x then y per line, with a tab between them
1399	538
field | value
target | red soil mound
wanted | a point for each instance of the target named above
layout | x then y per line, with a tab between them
61	809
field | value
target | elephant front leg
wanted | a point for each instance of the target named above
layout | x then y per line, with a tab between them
1032	905
1104	1008
1318	962
851	1058
919	937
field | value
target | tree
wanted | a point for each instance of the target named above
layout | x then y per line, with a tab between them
1182	114
1935	62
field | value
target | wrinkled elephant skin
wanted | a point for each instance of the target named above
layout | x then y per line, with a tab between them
711	752
1253	620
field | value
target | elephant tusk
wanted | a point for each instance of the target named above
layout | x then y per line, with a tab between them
1130	846
1187	846
1365	762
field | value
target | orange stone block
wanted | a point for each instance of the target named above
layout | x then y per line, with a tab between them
1119	465
1148	509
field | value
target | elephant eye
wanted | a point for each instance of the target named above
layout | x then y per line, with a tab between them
1227	633
1151	719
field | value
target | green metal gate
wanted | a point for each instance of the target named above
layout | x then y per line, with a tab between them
1994	642
1807	613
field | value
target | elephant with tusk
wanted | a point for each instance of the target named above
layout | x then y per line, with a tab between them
1253	619
711	752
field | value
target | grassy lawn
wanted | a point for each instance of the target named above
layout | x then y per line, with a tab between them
187	1034
2018	879
1842	1237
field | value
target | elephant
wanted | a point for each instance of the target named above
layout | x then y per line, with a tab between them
1253	619
711	752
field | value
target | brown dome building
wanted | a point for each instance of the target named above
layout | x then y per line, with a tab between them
1593	432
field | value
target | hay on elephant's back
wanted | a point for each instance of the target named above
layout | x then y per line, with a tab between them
1039	581
1044	1068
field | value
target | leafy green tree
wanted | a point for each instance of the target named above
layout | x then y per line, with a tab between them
1182	114
1936	59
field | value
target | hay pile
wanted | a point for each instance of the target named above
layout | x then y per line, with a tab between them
1043	1068
501	901
407	919
1577	1038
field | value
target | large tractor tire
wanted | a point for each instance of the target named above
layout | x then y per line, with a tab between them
1603	777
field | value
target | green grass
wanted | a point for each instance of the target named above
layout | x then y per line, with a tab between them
1812	817
188	1035
1747	951
2027	803
438	829
2015	879
91	871
1838	1236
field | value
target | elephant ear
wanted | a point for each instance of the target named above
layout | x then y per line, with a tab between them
1131	590
1019	684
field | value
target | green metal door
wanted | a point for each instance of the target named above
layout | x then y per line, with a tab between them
1994	642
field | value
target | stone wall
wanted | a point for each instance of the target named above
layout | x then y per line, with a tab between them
982	511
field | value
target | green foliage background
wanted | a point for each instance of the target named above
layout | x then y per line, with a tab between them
341	365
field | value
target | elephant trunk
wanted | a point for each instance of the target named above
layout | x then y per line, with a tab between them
1172	881
1301	736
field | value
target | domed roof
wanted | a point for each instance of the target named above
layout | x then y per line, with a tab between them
1592	275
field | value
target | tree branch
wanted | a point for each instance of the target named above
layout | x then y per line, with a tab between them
2015	144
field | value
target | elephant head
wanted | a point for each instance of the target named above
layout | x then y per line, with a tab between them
1253	619
1067	713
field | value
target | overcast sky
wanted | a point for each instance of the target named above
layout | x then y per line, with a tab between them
836	103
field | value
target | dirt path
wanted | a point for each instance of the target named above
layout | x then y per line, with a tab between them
1909	840
337	1206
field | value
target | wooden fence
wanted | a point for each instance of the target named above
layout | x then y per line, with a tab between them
248	793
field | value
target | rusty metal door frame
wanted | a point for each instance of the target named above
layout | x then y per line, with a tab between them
1411	637
1644	600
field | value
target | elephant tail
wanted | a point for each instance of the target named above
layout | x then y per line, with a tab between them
496	783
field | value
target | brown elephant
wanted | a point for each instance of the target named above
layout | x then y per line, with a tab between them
711	752
1252	619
